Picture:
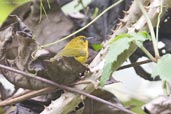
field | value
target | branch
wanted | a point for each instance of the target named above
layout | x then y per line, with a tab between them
83	28
134	64
25	96
74	90
134	20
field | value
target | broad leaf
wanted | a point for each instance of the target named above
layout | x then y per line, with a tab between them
162	68
118	52
120	36
140	37
7	6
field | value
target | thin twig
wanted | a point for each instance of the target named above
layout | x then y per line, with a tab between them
158	20
28	75
134	64
42	8
29	95
155	46
81	29
23	93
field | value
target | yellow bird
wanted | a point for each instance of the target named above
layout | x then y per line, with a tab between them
77	47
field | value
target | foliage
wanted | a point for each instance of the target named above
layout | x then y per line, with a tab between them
162	68
119	50
135	105
97	47
6	7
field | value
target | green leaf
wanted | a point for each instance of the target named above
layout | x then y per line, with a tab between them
95	13
144	34
140	37
97	47
118	53
138	103
162	68
7	6
120	49
120	36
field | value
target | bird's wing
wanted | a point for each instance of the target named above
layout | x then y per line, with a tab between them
72	52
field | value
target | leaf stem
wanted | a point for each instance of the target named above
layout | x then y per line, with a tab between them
158	20
148	53
164	86
154	41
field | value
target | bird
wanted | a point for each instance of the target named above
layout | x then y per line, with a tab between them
77	48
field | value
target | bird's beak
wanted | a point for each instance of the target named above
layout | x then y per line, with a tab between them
88	38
